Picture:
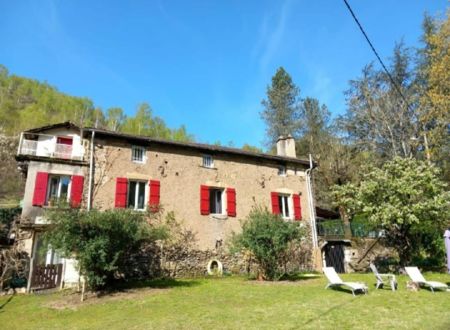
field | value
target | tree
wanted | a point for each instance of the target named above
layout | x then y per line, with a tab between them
267	236
11	181
248	147
434	89
101	242
377	118
115	118
406	199
281	107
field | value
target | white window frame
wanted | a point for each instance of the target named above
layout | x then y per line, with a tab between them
222	200
58	193
136	194
134	159
285	201
208	161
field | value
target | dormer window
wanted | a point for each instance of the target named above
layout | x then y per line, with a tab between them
208	161
138	154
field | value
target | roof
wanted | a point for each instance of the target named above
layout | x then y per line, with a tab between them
66	124
200	146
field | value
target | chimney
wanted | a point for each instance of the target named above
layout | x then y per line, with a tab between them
286	146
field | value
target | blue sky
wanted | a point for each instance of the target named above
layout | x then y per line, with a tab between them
205	64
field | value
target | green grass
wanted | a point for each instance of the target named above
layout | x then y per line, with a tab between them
234	303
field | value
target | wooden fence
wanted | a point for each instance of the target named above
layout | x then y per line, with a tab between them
46	277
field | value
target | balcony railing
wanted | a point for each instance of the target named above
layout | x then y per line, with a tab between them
43	145
337	229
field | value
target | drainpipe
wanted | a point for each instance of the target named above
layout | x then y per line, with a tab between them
91	172
20	143
312	214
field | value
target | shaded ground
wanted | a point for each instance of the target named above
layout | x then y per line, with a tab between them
233	303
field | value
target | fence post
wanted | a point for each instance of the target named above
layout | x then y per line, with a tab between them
30	275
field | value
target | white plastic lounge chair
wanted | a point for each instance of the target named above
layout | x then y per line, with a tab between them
380	282
334	280
417	277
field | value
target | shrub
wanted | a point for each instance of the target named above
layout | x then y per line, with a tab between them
101	242
268	238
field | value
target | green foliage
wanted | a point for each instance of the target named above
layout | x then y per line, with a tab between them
281	107
268	238
7	217
406	199
27	103
101	242
248	147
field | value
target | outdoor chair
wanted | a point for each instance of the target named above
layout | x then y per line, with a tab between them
417	277
335	281
389	277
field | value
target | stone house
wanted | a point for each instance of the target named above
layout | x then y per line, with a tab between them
210	188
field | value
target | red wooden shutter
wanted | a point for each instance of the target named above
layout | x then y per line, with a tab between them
275	203
231	202
154	195
204	200
121	192
297	207
40	189
76	190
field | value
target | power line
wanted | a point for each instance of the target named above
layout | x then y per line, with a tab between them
397	88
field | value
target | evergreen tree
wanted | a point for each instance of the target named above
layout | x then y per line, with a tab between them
281	108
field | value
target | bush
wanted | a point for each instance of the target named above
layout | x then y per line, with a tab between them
101	242
268	237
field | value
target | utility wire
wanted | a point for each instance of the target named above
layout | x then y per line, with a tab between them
397	88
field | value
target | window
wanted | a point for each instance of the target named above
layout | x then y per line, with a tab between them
138	154
215	201
283	201
136	195
58	189
282	170
208	161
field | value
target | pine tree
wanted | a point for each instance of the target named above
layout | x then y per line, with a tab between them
281	108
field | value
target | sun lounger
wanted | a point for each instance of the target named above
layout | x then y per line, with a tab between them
380	282
417	277
335	281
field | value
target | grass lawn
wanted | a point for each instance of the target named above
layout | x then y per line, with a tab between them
234	303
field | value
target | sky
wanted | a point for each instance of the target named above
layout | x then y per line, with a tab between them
205	64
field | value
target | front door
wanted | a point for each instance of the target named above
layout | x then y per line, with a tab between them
334	256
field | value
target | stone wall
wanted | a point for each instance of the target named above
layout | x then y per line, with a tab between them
181	174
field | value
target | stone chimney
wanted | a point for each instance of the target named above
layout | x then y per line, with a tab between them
286	146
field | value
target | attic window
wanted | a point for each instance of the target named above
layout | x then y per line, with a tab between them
208	161
138	154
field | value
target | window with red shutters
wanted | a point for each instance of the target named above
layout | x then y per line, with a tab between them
121	193
154	195
297	207
76	190
275	203
40	189
231	202
204	200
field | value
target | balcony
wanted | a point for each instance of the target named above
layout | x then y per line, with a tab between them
51	146
337	229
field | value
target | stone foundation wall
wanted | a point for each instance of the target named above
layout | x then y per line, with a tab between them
363	251
154	262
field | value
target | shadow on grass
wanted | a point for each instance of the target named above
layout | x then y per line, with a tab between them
331	309
299	277
162	283
6	303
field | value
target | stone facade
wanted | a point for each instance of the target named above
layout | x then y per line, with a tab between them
179	169
181	174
